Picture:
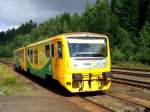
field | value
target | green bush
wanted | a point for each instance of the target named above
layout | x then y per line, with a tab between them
117	56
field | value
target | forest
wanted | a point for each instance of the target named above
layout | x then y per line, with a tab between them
125	22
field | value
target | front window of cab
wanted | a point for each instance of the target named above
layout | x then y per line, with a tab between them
87	47
88	52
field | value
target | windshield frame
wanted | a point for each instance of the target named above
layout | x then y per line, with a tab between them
88	38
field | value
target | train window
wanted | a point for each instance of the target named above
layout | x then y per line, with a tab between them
28	52
47	50
52	50
31	56
59	49
35	57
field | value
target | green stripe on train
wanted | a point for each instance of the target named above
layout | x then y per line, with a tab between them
17	63
45	70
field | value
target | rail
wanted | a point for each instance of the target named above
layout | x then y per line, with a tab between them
132	69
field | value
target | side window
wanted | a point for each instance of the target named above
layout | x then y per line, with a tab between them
104	48
35	57
28	52
52	50
31	56
47	50
59	49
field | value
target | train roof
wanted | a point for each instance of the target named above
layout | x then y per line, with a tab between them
76	34
19	49
40	42
80	34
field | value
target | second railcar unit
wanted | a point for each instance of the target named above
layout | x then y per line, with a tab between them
79	61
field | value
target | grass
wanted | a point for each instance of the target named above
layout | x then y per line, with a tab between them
9	83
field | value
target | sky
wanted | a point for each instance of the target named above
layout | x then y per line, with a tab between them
15	12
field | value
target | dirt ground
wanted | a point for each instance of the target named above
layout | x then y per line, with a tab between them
38	96
36	104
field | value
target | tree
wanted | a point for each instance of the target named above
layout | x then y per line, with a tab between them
76	22
113	31
97	18
88	19
66	27
113	6
144	49
26	28
125	44
128	14
144	12
147	9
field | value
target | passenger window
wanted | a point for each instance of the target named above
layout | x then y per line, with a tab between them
104	49
52	50
31	56
47	50
59	49
28	52
35	57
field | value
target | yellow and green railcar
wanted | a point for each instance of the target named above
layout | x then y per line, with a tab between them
79	61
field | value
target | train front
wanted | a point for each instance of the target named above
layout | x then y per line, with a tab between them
89	63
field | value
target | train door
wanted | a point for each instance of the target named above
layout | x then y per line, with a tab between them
53	58
57	59
60	61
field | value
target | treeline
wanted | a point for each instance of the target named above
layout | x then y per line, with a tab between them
8	39
126	22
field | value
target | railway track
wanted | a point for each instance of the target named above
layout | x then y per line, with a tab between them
123	99
90	99
131	72
139	84
133	100
131	69
9	63
131	81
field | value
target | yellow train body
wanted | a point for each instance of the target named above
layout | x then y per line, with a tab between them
73	59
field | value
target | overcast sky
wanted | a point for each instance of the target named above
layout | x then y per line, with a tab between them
15	12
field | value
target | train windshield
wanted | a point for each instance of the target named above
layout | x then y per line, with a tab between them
87	47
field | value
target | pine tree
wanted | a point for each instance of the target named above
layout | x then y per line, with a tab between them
128	14
97	18
144	49
147	11
76	22
144	12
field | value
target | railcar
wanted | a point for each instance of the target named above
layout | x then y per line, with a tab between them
78	61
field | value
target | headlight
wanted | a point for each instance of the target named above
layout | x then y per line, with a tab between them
103	63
